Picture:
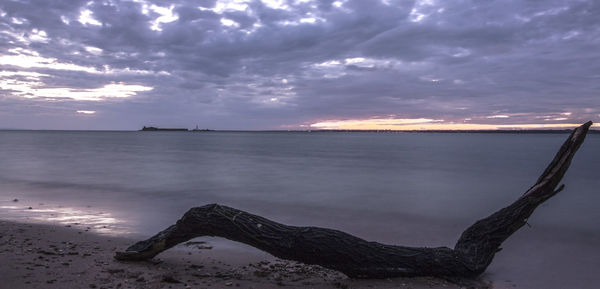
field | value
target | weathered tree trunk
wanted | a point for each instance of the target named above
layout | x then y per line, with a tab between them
356	257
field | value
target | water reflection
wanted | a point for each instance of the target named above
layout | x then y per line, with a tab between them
87	218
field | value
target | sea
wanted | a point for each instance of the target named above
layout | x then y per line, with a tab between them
405	188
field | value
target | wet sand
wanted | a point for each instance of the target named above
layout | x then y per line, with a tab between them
50	256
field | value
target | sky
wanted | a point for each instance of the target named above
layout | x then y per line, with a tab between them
299	64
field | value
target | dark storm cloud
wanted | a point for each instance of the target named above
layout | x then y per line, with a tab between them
256	65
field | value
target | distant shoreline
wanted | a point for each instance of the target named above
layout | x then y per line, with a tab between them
524	131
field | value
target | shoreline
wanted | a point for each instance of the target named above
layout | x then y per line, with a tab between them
50	256
50	225
55	223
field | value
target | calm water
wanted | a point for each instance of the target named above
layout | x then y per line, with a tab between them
418	189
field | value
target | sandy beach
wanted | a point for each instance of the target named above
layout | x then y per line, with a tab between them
51	256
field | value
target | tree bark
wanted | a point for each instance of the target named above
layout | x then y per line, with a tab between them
356	257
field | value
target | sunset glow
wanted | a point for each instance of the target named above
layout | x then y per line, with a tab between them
429	124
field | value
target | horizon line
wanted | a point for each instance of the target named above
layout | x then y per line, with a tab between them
515	130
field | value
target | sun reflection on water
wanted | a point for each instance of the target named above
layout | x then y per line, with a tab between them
86	218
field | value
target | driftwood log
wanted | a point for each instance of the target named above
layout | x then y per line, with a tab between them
356	257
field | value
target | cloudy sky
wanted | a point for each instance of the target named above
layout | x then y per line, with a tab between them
298	64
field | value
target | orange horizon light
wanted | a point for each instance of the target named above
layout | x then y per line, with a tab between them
429	124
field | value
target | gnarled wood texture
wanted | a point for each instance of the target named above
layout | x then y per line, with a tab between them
356	257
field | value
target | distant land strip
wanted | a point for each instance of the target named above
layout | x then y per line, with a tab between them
508	131
152	128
